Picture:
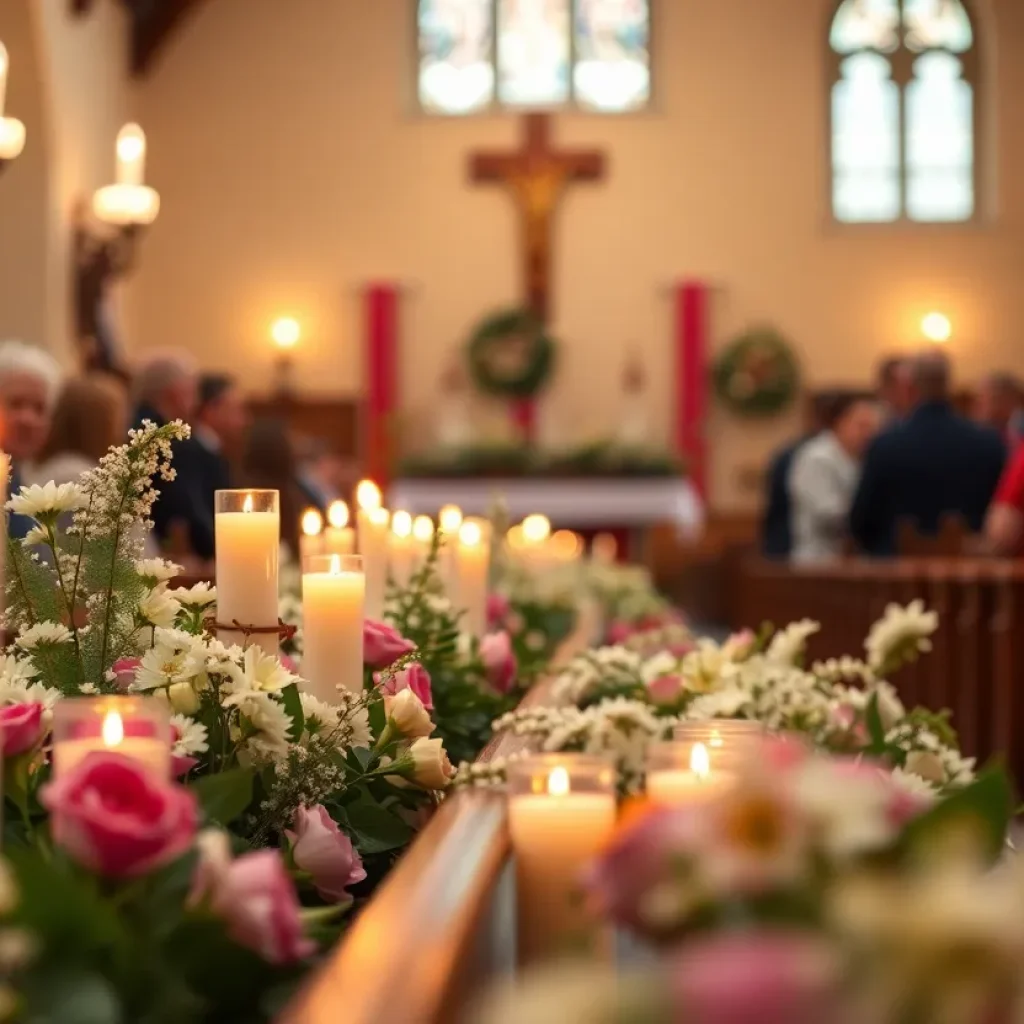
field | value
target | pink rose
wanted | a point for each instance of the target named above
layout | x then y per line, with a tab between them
254	895
414	677
620	632
498	607
21	728
499	660
665	689
289	663
383	645
124	672
325	852
111	815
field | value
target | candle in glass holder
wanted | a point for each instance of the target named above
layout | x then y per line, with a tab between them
339	537
561	815
333	592
472	569
703	760
311	539
137	727
401	548
248	537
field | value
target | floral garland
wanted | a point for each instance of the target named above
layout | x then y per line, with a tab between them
757	375
510	355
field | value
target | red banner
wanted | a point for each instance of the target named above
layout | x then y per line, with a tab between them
691	329
524	419
381	311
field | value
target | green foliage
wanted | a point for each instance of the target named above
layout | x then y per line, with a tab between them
225	796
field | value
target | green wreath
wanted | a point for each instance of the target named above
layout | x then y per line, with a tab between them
757	374
510	355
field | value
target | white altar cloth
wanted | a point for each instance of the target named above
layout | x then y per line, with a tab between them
585	504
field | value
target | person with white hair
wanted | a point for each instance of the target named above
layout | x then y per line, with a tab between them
30	381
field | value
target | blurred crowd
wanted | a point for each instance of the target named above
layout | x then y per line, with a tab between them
55	428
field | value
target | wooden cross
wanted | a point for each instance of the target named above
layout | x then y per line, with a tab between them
536	175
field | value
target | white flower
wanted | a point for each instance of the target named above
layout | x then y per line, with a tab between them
272	722
46	633
170	662
318	716
662	664
913	785
789	644
17	670
192	737
48	500
725	703
927	766
431	767
35	536
355	721
200	595
408	714
89	689
259	673
157	569
899	635
23	692
158	608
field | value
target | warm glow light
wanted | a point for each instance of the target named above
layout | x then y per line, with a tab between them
337	514
423	529
112	730
368	495
335	565
605	547
470	534
312	522
247	505
566	545
12	131
514	537
128	202
558	782
131	155
937	328
378	516
700	761
450	519
401	524
536	529
285	331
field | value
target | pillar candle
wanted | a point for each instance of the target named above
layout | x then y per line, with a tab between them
401	549
561	815
423	535
311	539
248	537
339	537
333	594
373	546
472	567
449	520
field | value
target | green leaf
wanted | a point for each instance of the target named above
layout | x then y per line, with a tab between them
70	996
375	829
226	795
873	720
293	706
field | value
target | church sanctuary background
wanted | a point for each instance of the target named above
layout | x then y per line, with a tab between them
298	157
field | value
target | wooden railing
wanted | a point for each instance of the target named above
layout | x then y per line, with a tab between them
440	924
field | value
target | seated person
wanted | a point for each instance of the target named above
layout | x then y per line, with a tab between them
269	462
933	464
324	476
219	427
999	405
29	383
1004	524
824	476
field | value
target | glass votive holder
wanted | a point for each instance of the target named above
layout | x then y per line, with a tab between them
681	772
729	741
247	500
136	727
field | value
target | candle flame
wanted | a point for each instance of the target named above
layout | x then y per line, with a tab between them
247	505
450	519
285	332
700	761
378	516
470	534
337	514
112	730
368	495
558	782
312	522
131	144
423	528
335	565
536	528
715	739
401	524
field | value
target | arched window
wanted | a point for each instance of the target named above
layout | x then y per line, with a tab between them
904	102
479	55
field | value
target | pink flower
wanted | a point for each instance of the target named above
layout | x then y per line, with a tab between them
124	672
289	663
756	978
499	660
665	689
21	727
383	645
620	632
414	677
254	895
181	764
326	853
780	753
111	815
498	607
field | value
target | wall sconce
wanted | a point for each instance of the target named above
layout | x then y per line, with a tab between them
936	328
128	205
285	332
12	131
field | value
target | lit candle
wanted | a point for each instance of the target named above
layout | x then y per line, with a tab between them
311	540
449	520
681	774
248	538
339	537
372	525
536	533
128	202
12	131
565	547
402	548
333	592
423	536
561	815
137	727
131	156
472	568
4	64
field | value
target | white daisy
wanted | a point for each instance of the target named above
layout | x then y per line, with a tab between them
157	569
168	663
789	644
89	689
36	536
22	692
271	722
17	670
46	501
158	608
200	595
46	633
259	673
900	635
192	736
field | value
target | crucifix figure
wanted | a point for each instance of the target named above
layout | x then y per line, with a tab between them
537	175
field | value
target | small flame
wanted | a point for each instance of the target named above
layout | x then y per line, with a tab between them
335	565
312	522
558	782
368	495
423	529
401	524
450	519
700	761
247	505
536	528
112	730
470	534
337	514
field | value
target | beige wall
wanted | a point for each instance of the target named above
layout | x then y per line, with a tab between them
293	167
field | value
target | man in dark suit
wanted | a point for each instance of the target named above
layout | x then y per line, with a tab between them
935	463
219	425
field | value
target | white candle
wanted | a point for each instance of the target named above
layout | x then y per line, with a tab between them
472	567
682	773
248	537
423	535
339	537
373	546
556	830
536	535
402	548
131	155
4	63
311	540
333	593
448	521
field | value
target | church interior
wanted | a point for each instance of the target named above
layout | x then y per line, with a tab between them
722	295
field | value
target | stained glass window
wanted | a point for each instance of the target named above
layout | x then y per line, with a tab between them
903	102
534	54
